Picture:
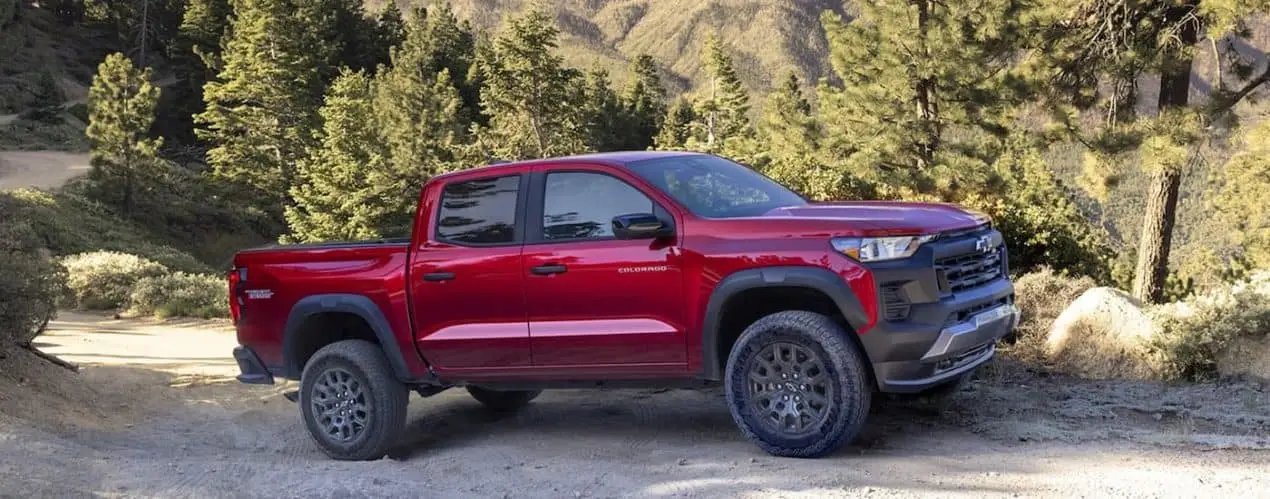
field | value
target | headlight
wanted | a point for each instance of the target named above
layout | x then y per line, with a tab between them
877	249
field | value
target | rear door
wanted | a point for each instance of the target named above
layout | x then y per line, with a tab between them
468	285
592	299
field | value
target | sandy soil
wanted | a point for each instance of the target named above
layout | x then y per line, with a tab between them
44	169
149	415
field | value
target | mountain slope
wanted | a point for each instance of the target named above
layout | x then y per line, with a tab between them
768	37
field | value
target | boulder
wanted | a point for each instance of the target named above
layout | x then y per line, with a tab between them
1103	334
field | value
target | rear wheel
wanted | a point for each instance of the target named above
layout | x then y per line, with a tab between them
352	403
503	400
796	386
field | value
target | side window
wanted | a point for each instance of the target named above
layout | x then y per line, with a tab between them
579	205
479	212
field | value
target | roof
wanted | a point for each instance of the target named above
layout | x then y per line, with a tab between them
617	158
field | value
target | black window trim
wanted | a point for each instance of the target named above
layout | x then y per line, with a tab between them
518	230
538	196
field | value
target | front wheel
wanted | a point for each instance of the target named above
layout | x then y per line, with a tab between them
796	386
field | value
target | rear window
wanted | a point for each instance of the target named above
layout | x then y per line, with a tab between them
479	212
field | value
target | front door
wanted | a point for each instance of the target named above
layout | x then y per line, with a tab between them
467	287
594	300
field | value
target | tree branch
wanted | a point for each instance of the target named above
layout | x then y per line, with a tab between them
1226	103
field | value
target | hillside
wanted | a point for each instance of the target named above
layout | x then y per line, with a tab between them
769	37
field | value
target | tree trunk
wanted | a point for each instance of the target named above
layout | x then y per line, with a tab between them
1157	236
925	97
1161	209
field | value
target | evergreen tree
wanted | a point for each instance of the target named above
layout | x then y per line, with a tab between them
1111	45
195	60
262	107
122	105
644	103
911	73
791	135
419	113
529	95
339	196
724	112
676	128
435	41
606	118
359	44
390	31
199	37
1241	199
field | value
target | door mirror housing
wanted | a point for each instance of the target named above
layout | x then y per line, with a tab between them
641	226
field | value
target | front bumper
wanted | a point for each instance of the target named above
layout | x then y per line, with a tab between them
253	370
938	331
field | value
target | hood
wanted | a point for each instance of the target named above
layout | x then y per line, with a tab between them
882	218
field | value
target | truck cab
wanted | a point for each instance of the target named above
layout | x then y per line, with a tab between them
627	269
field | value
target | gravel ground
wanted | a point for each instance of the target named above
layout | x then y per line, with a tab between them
151	415
43	169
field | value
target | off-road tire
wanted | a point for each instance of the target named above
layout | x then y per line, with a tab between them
847	389
382	395
503	401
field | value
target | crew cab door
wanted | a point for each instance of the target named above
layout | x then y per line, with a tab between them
467	286
592	299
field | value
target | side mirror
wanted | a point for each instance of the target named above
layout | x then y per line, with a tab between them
640	226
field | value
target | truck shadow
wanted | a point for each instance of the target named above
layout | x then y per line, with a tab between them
617	424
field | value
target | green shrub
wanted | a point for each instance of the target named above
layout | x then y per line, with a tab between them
30	281
103	280
180	295
1191	334
70	223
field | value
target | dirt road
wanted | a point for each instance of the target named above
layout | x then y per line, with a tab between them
149	416
43	169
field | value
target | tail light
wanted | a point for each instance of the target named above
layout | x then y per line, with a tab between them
237	278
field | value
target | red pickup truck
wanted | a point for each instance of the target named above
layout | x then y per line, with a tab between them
627	269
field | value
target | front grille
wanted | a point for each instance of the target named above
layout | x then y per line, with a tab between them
962	272
895	306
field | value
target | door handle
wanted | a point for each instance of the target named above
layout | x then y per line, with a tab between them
548	269
438	276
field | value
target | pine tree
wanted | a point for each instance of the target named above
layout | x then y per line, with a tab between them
529	95
437	41
390	31
195	60
606	118
1112	45
338	196
724	110
419	112
122	105
1241	199
791	134
262	107
677	127
644	103
911	72
359	44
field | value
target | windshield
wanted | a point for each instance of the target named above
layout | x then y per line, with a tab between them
714	187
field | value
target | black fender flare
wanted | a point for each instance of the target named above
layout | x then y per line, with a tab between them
358	305
819	279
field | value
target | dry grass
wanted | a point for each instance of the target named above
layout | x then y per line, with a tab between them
1041	296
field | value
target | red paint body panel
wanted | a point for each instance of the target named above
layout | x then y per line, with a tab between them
497	321
374	271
